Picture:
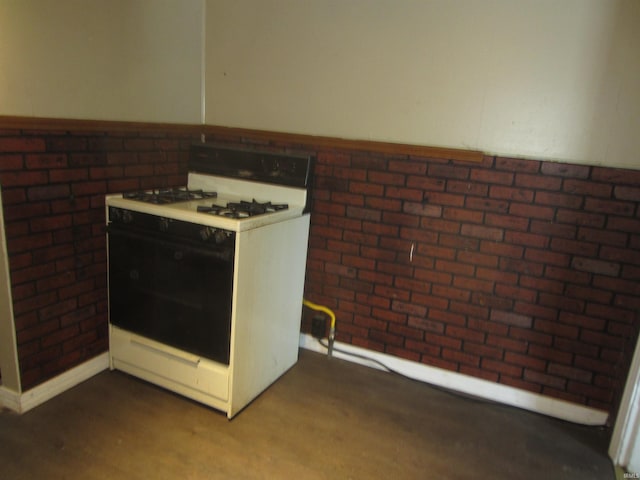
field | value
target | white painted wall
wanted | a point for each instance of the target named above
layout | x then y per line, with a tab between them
547	79
130	60
8	349
624	448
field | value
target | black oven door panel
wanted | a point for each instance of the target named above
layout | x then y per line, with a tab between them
171	292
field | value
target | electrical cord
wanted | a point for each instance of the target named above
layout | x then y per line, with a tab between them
453	393
448	391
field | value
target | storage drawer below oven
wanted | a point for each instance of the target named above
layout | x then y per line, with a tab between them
195	377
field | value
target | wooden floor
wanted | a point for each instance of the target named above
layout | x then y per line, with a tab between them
325	419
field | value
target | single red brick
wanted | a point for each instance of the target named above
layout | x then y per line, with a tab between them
517	165
627	193
622	255
604	237
469	309
580	218
406	331
66	143
531	211
556	329
446	317
422	347
460	357
467	188
565	170
596	266
590	391
492	176
360	238
465	334
472	284
478	203
22	144
587	187
612	207
511	193
558	199
400	219
422	209
463	215
426	183
387	204
611	313
511	318
138	170
574	247
538	182
369	322
483	351
450	292
521	266
479	259
454	267
509	222
407	166
501	249
385	178
55	222
501	367
426	325
448	171
365	188
547	257
21	178
368	162
519	383
618	176
46	161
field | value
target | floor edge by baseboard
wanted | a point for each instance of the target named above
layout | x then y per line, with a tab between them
466	384
25	401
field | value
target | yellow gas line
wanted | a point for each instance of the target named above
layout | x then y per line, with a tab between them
332	316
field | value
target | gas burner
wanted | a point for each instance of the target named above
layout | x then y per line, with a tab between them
243	209
169	195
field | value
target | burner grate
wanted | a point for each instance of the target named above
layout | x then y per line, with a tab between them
243	209
169	195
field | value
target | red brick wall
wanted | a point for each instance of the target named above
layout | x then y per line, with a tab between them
53	189
523	272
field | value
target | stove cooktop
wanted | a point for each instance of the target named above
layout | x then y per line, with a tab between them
225	211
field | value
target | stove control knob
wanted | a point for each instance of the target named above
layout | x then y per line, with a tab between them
205	233
115	214
127	216
219	236
163	224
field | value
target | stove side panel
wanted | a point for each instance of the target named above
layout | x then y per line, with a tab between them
268	290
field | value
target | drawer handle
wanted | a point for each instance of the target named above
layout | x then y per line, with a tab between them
181	356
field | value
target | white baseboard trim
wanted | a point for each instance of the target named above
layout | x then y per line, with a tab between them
467	384
9	399
23	402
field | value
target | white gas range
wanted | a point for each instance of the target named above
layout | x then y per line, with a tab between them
206	281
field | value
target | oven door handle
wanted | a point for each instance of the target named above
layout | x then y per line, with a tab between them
224	254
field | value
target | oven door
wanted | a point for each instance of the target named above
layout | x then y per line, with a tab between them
171	291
